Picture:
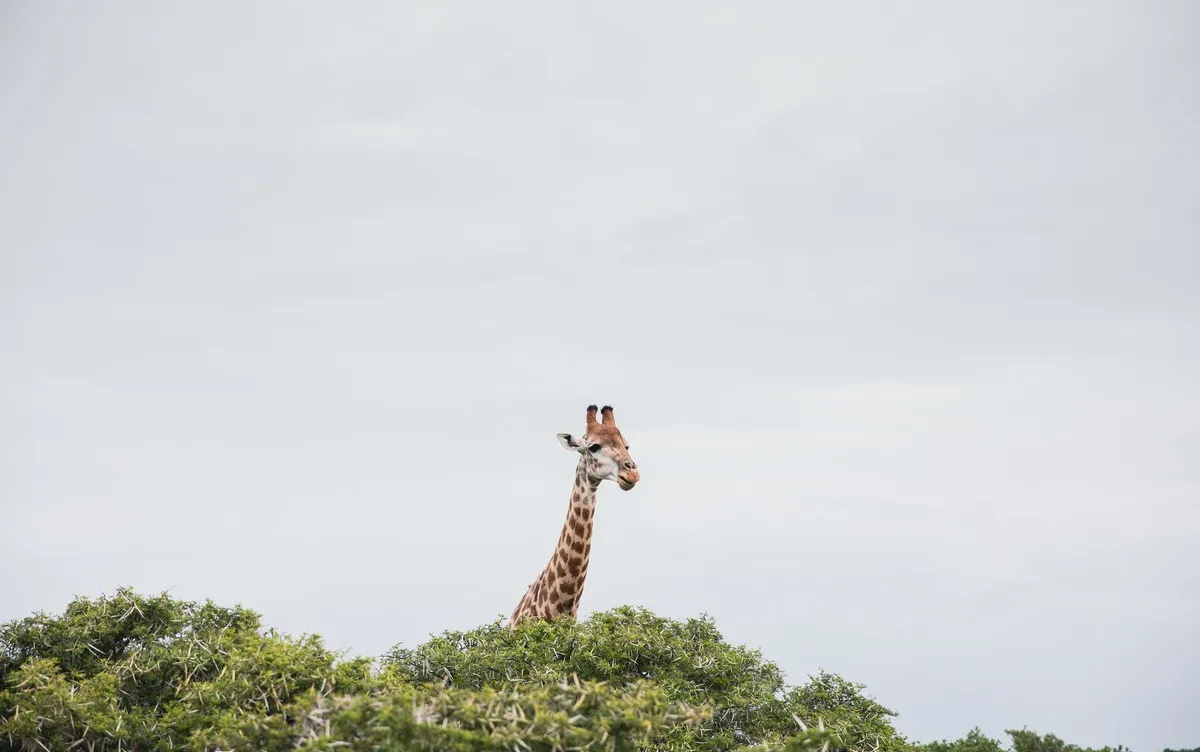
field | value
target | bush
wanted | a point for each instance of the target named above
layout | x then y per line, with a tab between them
133	672
1023	740
744	696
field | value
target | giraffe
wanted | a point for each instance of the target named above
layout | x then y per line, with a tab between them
603	455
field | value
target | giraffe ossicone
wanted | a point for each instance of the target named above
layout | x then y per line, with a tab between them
603	455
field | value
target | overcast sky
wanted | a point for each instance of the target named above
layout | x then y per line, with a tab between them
899	311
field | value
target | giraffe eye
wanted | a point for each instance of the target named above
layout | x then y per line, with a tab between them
594	448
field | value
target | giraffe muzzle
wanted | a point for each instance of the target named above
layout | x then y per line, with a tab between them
628	479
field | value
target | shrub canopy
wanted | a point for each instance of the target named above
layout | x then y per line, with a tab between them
135	672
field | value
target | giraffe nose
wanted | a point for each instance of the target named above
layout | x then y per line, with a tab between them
630	465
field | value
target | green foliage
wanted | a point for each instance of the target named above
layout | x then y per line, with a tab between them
858	720
136	672
1023	740
567	716
750	703
1029	741
974	741
131	672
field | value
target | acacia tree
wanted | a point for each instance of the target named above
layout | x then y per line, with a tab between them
1023	740
745	697
134	672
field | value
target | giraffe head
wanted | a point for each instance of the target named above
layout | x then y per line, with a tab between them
603	450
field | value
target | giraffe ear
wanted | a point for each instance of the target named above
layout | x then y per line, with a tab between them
569	442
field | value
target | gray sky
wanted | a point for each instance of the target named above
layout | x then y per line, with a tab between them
898	310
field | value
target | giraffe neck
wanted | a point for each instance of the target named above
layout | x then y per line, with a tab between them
557	590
